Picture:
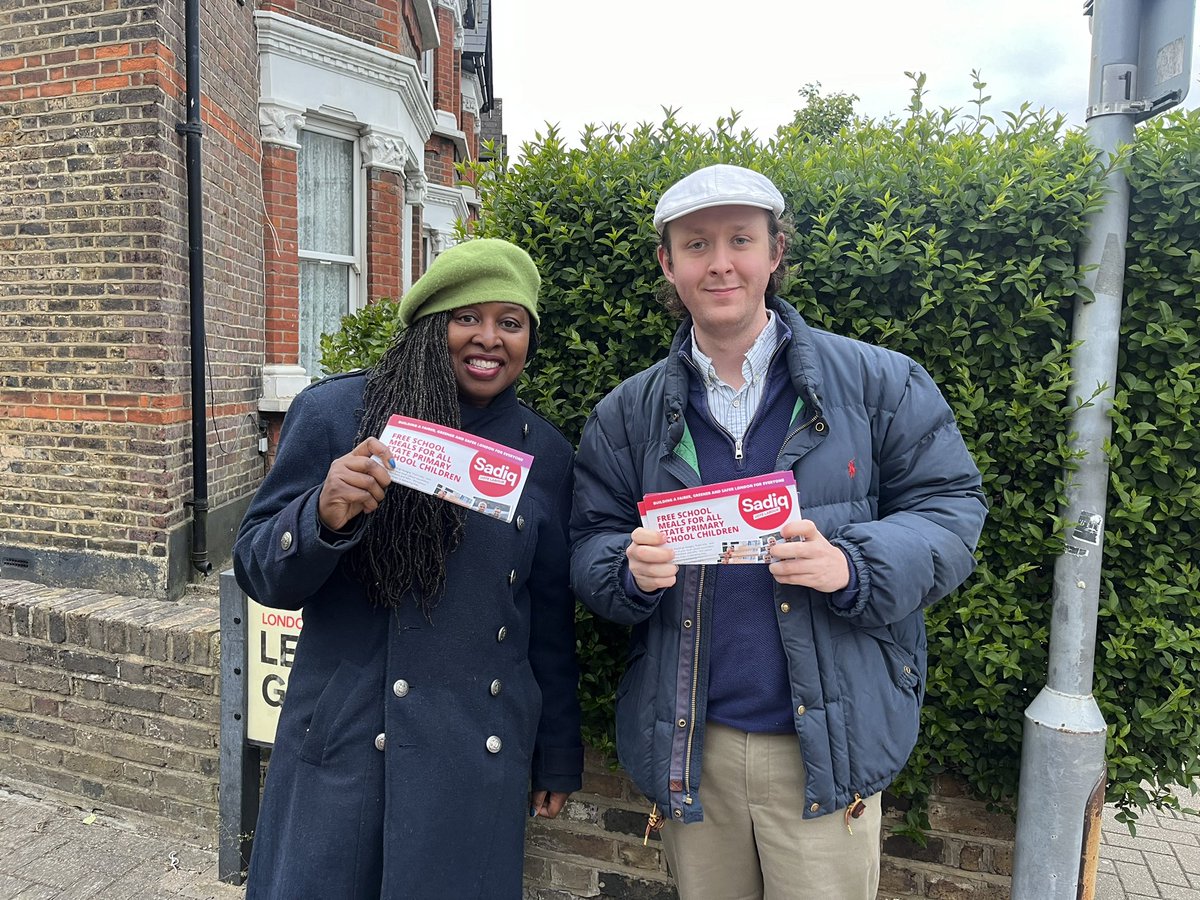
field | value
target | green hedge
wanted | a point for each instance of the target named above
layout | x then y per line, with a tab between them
954	242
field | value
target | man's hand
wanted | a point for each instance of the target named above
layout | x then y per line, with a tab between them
651	564
547	803
355	484
810	561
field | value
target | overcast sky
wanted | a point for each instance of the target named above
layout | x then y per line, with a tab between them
579	61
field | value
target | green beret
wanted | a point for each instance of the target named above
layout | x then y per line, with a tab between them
484	270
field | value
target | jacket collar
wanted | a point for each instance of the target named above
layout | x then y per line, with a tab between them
474	417
800	352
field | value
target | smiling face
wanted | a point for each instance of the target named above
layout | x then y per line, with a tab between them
489	343
719	261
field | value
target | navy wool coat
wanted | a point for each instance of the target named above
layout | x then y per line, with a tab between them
406	748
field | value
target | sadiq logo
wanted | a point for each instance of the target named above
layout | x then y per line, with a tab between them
493	476
765	510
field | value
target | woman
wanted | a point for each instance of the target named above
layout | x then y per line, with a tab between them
435	678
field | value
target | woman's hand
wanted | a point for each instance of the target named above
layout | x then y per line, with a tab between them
355	484
547	803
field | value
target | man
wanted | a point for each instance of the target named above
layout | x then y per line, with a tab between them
764	707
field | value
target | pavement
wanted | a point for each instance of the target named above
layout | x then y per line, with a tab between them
54	851
1161	860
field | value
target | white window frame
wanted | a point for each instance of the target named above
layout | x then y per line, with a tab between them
358	240
427	63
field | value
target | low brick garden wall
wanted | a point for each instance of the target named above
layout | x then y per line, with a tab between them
114	702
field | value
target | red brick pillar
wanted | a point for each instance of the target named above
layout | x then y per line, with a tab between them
281	253
281	375
447	68
385	191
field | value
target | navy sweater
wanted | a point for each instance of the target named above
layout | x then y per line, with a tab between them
748	681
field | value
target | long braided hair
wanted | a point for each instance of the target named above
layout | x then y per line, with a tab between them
407	539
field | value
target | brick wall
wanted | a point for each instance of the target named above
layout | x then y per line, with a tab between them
111	700
380	23
968	853
439	161
594	848
95	398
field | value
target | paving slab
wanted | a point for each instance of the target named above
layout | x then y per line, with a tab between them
54	851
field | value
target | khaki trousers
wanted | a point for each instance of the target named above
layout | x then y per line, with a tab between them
754	843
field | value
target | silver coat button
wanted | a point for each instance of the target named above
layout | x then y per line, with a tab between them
400	688
285	542
502	633
380	740
512	577
494	744
495	688
520	523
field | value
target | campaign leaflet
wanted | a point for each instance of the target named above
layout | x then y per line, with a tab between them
726	523
458	467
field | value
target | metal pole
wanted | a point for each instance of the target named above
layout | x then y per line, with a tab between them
1062	755
239	760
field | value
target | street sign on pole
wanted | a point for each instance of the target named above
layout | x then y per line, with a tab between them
1160	76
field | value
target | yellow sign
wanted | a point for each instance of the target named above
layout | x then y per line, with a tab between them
271	638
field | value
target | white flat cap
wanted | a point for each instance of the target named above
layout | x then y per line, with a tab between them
719	185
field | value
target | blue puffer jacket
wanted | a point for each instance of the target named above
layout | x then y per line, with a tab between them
882	471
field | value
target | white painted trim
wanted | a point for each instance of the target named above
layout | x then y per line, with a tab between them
288	39
383	149
447	127
444	195
280	383
444	207
406	249
416	187
280	123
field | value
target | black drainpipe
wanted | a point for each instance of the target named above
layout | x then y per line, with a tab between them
192	130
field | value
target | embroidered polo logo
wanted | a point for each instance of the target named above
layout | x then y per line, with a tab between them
850	469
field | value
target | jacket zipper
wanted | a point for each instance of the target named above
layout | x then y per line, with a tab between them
687	760
799	428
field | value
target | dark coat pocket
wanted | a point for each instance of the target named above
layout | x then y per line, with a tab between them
331	712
